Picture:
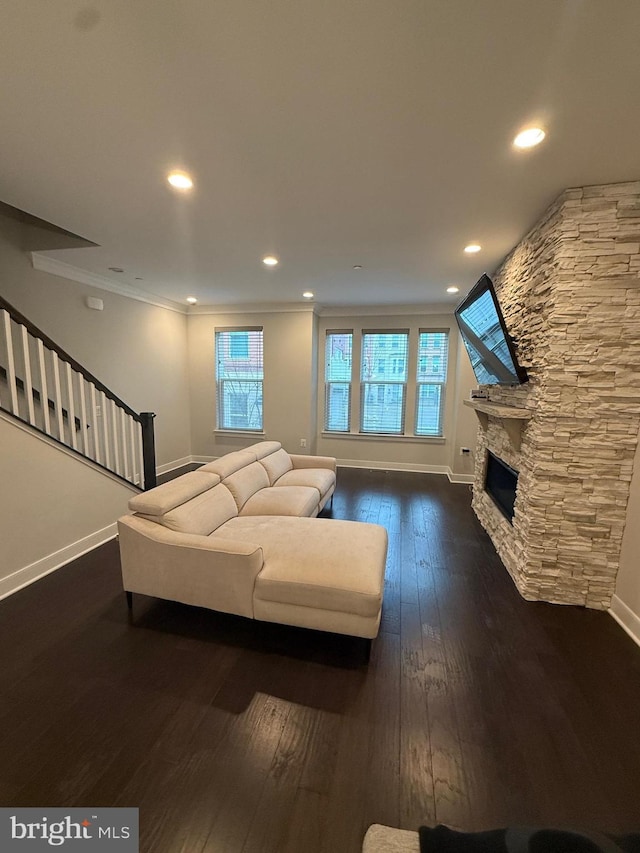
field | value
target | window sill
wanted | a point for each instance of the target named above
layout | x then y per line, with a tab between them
369	436
250	432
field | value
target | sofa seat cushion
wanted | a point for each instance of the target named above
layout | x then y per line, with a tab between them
317	562
318	478
292	500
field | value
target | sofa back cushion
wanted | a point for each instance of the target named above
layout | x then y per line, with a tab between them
276	464
246	482
202	514
162	499
229	463
264	448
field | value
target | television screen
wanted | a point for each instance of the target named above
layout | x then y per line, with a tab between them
486	339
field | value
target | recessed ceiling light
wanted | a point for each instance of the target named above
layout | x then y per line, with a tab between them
529	137
191	300
270	261
453	289
308	294
357	266
180	180
472	248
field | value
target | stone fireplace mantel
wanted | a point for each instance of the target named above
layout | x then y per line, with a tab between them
513	418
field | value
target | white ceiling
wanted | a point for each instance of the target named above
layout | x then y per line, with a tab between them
328	132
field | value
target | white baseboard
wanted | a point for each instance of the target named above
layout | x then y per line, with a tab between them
33	572
176	463
626	618
460	478
411	467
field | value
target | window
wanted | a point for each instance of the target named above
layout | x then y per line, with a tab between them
383	381
397	396
337	381
430	382
239	377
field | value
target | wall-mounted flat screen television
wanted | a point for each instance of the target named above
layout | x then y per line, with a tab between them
491	350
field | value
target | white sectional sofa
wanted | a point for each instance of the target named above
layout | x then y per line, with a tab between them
240	535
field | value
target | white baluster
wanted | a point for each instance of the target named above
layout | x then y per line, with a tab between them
84	427
28	383
125	454
132	448
105	431
114	423
57	395
95	423
71	407
11	367
44	388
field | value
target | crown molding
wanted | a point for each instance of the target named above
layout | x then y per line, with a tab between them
386	310
68	271
256	308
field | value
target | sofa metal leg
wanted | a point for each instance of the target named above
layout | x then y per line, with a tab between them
366	650
129	599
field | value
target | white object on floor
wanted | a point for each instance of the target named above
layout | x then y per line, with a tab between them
386	839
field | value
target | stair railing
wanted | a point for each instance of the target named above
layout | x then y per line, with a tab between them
43	386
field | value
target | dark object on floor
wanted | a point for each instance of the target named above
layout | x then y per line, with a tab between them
441	839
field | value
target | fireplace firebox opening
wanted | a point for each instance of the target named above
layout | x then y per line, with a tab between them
500	483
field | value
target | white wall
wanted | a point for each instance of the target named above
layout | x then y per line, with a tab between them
465	423
52	507
626	602
289	399
137	350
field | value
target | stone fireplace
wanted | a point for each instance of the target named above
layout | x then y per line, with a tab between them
570	293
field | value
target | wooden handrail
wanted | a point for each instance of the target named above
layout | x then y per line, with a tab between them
64	356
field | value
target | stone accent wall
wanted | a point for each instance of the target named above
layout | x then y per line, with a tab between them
570	293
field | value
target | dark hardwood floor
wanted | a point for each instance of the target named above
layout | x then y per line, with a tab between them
477	709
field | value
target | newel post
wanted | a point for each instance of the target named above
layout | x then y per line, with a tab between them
148	449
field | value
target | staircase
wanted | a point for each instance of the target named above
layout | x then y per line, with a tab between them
44	387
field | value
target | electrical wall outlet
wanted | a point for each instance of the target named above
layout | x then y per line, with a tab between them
303	442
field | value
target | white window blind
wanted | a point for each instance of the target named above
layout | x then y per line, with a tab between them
337	381
239	378
383	381
433	349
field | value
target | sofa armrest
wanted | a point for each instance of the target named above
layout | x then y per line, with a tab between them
205	571
300	461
